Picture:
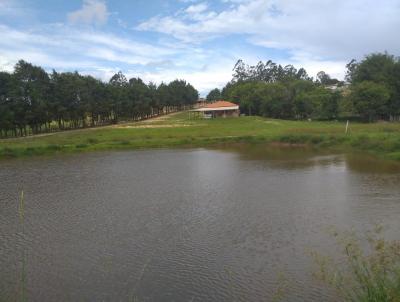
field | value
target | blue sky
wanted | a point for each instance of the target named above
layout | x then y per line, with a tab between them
199	41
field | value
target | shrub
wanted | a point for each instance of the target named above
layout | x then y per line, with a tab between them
93	141
81	146
8	152
370	274
53	147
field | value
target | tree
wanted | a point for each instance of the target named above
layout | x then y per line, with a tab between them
276	102
269	72
323	78
6	106
32	101
329	105
242	93
118	92
32	93
375	68
371	100
118	80
214	95
182	93
303	105
380	68
240	71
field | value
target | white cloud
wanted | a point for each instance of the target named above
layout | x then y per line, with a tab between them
332	29
322	35
92	11
65	41
93	52
197	8
203	80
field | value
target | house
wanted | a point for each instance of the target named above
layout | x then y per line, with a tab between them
200	103
218	109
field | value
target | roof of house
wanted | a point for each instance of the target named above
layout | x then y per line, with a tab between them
219	104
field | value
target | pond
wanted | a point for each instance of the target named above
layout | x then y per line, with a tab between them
228	224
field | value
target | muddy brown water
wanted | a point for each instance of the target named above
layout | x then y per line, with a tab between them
234	224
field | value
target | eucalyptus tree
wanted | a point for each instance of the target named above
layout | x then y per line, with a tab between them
277	91
268	72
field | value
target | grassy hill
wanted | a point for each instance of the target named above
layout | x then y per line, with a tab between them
178	130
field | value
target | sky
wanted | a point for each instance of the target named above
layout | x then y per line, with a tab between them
196	40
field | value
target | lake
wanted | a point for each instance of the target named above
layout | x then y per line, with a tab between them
228	224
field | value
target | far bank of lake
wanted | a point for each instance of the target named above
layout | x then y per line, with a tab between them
178	130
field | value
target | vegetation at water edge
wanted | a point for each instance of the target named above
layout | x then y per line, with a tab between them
369	270
177	130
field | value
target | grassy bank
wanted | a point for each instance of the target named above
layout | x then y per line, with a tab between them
382	139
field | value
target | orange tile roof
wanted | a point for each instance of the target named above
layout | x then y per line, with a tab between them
219	104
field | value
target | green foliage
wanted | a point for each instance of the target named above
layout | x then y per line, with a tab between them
268	72
325	79
369	274
32	101
370	100
381	71
271	90
175	130
81	146
298	99
214	95
54	147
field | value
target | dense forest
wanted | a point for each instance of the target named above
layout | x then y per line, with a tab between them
371	91
33	101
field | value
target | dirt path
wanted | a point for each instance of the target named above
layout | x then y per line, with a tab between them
156	122
139	124
160	118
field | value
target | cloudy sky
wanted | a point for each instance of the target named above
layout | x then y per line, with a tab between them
200	41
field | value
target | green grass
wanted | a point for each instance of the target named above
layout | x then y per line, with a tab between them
368	269
177	130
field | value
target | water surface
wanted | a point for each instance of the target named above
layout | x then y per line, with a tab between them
234	224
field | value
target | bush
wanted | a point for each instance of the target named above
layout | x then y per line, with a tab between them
93	141
53	147
81	146
295	139
370	274
8	152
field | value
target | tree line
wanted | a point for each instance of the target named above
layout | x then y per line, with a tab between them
371	91
33	101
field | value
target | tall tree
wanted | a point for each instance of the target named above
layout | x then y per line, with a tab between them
379	68
7	121
214	95
371	100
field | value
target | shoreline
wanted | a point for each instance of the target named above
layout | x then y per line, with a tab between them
177	131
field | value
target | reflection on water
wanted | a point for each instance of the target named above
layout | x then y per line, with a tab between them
302	157
185	225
